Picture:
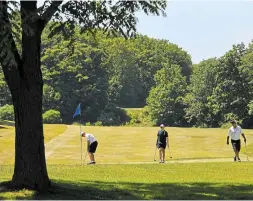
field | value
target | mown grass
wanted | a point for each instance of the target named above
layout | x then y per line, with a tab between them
137	144
146	181
129	144
7	140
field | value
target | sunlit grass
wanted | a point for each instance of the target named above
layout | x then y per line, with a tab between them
7	140
137	144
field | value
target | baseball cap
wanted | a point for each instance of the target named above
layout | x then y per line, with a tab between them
162	125
82	133
233	122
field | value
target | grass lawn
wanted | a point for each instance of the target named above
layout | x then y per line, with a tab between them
7	138
143	181
127	144
140	181
137	144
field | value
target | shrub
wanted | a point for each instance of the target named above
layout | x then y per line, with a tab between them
112	116
7	113
88	124
98	123
52	117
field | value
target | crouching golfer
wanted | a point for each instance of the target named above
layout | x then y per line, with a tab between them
162	141
91	146
234	133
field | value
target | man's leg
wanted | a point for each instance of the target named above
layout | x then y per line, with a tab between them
235	150
163	151
238	147
160	153
91	155
92	150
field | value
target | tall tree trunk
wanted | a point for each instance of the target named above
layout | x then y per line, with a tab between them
30	164
24	79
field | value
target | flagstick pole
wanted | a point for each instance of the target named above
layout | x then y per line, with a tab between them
81	141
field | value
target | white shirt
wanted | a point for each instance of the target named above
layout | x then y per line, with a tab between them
90	137
235	133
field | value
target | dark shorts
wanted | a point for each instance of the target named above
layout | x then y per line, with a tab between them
93	147
161	145
236	144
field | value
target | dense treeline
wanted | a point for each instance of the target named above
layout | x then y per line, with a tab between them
105	74
221	89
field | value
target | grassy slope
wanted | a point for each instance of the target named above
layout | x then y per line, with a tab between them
146	181
7	140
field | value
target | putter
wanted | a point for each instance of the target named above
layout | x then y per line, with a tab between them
170	153
85	157
155	154
246	152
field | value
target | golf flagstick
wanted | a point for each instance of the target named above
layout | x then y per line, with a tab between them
78	112
81	140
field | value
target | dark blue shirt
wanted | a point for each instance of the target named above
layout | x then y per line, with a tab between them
161	136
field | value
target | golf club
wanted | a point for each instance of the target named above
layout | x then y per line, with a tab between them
155	154
85	156
170	152
246	152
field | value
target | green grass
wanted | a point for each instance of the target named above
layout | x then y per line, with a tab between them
142	181
146	181
137	144
128	144
7	137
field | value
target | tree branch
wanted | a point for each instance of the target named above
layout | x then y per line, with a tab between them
49	12
9	56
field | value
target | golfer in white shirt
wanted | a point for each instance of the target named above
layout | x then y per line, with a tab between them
235	133
91	146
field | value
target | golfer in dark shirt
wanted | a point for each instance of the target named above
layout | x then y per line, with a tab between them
162	141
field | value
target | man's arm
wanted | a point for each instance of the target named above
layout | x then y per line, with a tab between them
227	139
228	136
244	137
88	145
167	139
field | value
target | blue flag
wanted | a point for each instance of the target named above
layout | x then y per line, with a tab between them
78	110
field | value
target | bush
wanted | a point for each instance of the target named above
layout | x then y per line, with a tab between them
139	116
113	116
88	124
52	117
226	125
98	123
7	113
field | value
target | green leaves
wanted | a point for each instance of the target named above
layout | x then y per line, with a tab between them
164	102
116	17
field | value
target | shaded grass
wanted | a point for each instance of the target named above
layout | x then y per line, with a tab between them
149	181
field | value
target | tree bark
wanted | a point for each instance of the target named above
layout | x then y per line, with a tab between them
30	165
24	79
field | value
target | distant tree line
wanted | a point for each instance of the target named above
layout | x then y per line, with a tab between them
105	74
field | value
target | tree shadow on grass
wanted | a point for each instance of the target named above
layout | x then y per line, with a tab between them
85	190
